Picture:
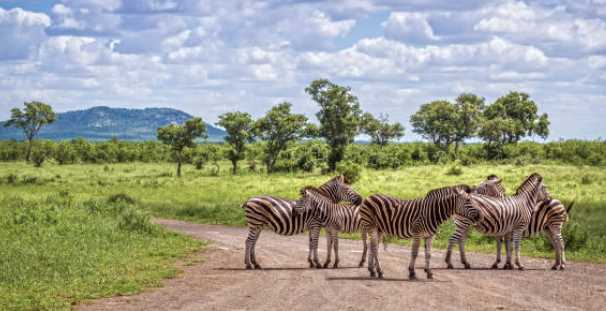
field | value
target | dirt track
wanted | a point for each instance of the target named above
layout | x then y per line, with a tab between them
221	283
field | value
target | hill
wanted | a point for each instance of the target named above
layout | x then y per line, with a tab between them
102	123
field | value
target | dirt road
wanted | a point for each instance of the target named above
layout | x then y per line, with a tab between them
221	283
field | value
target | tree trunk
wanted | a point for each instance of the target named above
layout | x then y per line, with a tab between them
29	149
456	150
179	168
234	164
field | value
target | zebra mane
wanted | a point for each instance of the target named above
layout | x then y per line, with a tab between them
447	191
529	183
309	188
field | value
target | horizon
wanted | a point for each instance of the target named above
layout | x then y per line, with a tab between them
207	60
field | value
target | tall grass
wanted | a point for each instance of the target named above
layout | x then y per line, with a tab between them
208	196
55	250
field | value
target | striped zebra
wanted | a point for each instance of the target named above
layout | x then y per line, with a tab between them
277	214
417	219
548	217
501	217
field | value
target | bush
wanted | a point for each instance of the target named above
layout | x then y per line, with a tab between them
40	151
351	171
121	197
134	220
586	180
454	170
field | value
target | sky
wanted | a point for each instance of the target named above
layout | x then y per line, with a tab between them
211	57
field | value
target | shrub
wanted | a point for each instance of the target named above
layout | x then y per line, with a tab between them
11	179
586	180
121	197
454	170
575	236
134	220
351	171
40	152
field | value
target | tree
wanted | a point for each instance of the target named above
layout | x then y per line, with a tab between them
278	128
379	130
509	119
339	117
469	108
180	137
239	128
31	120
436	121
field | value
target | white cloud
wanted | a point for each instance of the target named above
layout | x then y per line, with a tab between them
409	27
21	32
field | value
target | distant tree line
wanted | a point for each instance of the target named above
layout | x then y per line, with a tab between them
286	141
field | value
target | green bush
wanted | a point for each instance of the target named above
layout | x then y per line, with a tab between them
454	170
575	236
121	197
351	171
131	219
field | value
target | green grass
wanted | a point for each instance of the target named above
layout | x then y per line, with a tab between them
201	197
56	251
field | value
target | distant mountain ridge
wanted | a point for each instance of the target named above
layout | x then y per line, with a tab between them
103	123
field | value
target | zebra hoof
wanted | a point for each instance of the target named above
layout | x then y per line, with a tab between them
318	266
380	275
521	268
412	276
257	266
495	266
372	274
325	265
562	267
508	266
467	266
361	264
429	275
554	267
335	266
449	266
249	267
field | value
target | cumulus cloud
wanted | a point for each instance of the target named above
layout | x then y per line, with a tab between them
215	56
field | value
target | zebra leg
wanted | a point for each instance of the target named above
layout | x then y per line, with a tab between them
517	237
495	265
508	250
314	236
365	250
555	234
253	256
428	257
335	244
373	259
447	259
329	241
251	240
415	251
462	254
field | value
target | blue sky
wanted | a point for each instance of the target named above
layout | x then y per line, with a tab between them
209	57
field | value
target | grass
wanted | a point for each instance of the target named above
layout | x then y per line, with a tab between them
87	254
56	250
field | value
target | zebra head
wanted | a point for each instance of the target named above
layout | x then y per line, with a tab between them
337	189
465	206
491	187
534	189
310	201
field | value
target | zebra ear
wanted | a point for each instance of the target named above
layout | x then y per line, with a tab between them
341	178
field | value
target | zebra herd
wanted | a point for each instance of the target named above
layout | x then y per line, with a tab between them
530	211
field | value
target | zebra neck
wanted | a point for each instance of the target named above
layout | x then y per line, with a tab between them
441	209
525	199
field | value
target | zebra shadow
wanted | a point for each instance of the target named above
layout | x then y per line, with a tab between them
487	269
367	278
284	268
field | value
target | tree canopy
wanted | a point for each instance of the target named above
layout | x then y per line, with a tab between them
31	119
239	128
339	116
278	128
436	121
180	137
381	132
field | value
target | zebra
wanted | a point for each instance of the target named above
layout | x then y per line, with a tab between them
548	217
417	219
502	217
277	214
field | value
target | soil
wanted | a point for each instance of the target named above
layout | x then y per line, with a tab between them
219	281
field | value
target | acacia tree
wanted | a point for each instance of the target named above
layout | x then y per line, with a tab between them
469	108
509	119
339	116
278	128
180	137
380	130
31	119
436	121
239	128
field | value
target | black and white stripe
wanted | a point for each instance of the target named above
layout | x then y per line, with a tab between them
507	216
417	219
277	214
548	217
